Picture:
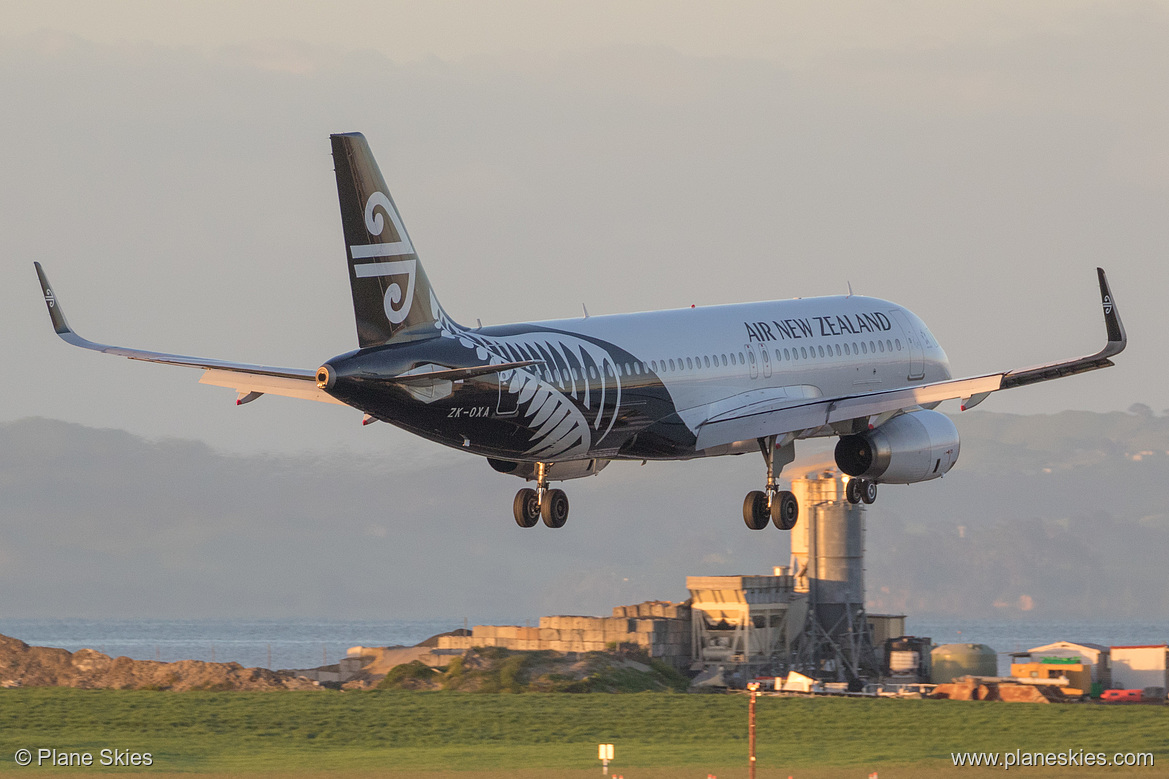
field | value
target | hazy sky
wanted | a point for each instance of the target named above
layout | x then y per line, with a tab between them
169	164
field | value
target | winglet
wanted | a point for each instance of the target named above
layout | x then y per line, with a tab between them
1117	339
60	325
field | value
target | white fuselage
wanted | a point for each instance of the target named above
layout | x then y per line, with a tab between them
814	347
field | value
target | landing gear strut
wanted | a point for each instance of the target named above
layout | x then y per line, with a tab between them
779	506
530	506
859	490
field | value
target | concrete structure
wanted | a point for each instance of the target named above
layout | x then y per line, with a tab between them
828	547
1138	667
659	628
745	624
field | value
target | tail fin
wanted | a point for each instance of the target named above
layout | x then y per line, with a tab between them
392	298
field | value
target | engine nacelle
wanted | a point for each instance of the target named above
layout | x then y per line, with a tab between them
912	447
561	471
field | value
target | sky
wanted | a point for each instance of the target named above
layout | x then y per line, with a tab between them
168	163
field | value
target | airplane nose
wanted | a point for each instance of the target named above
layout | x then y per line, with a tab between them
326	377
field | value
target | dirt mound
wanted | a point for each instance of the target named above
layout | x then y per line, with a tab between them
38	666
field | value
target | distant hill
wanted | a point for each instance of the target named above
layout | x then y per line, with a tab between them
1059	516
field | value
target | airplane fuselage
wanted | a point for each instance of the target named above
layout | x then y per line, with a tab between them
636	386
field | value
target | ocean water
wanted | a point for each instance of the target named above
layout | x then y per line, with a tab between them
286	643
307	643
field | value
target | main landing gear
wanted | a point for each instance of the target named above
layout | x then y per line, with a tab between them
530	505
858	490
778	506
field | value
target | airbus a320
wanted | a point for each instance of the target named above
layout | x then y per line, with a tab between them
558	400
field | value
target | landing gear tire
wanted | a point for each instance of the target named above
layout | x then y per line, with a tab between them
755	510
852	491
869	492
526	508
554	509
785	510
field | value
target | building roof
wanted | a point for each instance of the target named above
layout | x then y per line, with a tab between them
1066	645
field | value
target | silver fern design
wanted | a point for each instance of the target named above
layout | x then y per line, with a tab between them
571	399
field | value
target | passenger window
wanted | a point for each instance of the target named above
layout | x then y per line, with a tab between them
706	359
889	344
751	357
846	351
671	364
881	346
864	349
592	373
837	350
689	363
803	352
575	375
821	350
627	371
733	359
872	347
741	359
786	355
724	359
898	342
778	356
653	364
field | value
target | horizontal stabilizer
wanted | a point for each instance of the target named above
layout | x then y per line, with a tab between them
455	374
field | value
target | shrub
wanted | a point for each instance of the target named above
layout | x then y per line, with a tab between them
407	676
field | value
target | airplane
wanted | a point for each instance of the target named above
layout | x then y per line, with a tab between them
558	400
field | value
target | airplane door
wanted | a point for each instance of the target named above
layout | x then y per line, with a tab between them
751	363
913	343
509	403
766	362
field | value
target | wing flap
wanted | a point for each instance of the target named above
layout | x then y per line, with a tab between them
245	383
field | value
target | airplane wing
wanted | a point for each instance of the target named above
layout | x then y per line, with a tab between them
250	381
783	416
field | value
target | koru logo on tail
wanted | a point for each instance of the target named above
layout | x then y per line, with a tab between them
397	304
52	301
1107	305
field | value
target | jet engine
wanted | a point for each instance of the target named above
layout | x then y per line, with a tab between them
911	447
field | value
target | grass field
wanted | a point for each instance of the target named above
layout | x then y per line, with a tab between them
555	735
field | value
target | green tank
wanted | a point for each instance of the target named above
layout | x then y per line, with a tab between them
951	661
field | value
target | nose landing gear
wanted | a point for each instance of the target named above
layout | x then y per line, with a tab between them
779	506
530	506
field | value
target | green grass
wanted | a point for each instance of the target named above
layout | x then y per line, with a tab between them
355	731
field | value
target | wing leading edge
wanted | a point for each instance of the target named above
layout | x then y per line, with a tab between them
243	377
785	417
250	381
